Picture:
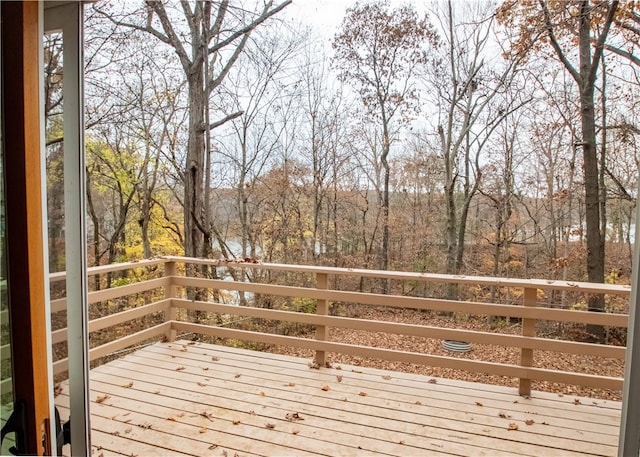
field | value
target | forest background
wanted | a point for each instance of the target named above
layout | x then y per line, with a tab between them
432	137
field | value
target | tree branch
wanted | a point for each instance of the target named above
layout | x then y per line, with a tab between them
171	37
217	25
556	46
225	119
622	53
266	14
597	54
622	191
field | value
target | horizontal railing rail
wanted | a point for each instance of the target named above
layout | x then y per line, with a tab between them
175	287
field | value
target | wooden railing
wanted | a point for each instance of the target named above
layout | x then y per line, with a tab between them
171	290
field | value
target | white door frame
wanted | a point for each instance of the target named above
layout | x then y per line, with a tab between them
629	441
68	18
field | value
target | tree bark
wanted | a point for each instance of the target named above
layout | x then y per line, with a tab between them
194	173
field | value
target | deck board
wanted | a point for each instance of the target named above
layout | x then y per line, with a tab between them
198	399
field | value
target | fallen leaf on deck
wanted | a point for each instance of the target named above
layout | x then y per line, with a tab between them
293	417
126	386
179	368
513	426
270	425
326	388
207	415
545	423
202	430
515	401
314	366
432	381
339	378
343	399
529	422
479	404
401	442
295	432
386	377
102	398
116	433
262	394
338	367
363	394
215	359
237	376
503	415
292	384
212	447
576	401
172	419
202	384
419	403
236	421
205	368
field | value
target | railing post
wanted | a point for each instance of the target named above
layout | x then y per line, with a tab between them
322	309
169	293
528	329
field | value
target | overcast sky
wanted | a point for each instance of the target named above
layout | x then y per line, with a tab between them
324	15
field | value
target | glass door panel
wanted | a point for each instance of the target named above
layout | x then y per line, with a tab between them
6	368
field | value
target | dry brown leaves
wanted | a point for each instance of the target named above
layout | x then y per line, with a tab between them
433	346
102	398
291	417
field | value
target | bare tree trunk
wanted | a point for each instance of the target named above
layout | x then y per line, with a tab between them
384	264
585	77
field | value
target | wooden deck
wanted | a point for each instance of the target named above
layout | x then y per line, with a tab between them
178	399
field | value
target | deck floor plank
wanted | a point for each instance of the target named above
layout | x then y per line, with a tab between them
319	421
458	400
554	401
201	399
363	408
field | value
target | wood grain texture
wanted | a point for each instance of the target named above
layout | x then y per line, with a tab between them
186	398
24	227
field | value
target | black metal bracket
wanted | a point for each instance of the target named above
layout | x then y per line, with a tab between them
17	423
63	432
